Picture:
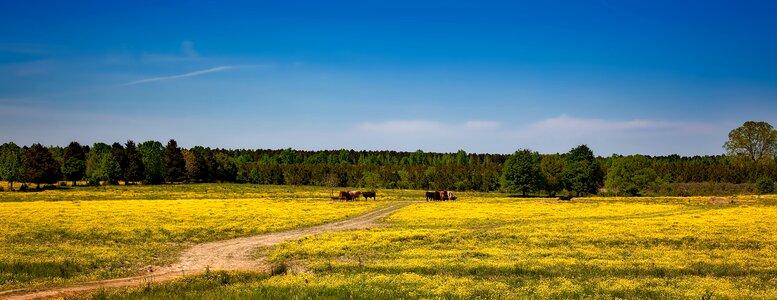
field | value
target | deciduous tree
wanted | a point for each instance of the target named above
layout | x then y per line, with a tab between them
581	171
630	174
521	172
153	157
74	162
552	167
11	163
753	140
41	166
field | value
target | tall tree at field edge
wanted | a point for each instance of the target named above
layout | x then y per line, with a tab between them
175	165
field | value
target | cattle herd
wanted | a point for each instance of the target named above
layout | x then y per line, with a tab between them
440	195
354	195
430	195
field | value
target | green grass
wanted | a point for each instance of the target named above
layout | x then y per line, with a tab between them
82	234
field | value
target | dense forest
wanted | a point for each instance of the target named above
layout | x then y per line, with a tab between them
529	173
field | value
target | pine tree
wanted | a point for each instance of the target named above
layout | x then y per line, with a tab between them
175	165
134	169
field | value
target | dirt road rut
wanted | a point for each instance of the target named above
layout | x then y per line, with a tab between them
232	255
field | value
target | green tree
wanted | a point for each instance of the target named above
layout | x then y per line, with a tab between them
371	180
175	166
120	155
225	170
344	157
11	163
74	162
630	174
201	168
108	169
135	169
521	172
287	156
753	140
94	162
41	166
461	157
581	171
765	185
552	167
152	155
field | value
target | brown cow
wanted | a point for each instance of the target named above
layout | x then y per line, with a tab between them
368	195
345	195
355	194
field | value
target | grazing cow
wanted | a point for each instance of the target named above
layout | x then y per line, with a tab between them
345	195
430	195
565	198
451	196
368	195
355	194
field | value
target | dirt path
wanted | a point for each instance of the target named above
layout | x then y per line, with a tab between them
232	255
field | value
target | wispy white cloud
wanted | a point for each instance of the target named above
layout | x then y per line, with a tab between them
429	135
482	124
607	136
568	123
403	127
426	126
550	135
179	76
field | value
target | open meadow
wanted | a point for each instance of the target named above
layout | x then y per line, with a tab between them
485	245
79	234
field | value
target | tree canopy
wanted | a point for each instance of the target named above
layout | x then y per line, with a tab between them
74	162
175	165
11	163
521	172
753	140
41	166
582	173
630	174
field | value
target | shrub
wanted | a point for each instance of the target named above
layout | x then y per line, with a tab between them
632	190
279	269
765	185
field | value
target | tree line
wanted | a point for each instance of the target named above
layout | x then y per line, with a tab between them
576	172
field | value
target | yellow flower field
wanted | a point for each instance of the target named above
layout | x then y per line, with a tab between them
484	246
74	235
528	248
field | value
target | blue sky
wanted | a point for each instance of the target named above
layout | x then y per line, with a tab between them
650	77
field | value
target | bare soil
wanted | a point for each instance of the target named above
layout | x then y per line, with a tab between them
719	200
237	254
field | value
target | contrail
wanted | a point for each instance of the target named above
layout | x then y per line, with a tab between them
171	77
